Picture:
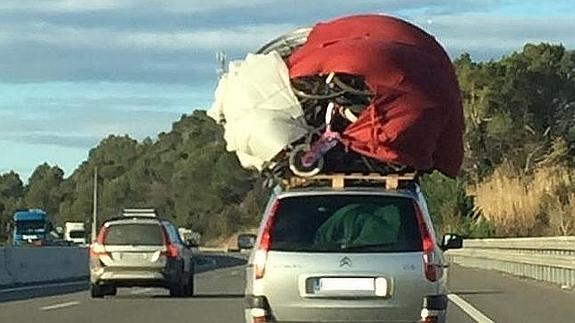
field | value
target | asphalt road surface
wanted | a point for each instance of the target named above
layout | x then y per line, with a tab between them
477	296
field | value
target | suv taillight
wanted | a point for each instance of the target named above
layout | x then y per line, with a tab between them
172	250
433	271
261	253
97	249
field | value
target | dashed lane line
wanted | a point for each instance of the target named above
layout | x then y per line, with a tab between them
58	306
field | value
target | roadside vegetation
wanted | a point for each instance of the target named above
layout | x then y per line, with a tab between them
518	177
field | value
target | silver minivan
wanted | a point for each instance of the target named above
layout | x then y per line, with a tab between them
356	254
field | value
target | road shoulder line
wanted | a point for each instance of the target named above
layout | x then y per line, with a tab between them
469	309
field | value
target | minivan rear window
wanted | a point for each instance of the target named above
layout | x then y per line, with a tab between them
346	223
140	234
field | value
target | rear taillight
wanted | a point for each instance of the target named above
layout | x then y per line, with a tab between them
97	248
261	252
434	307
433	271
258	315
172	250
430	319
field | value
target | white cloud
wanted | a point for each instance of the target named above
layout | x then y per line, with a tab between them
497	34
63	5
473	31
173	6
202	6
239	37
236	37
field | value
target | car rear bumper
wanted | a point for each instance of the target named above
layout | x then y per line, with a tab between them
433	305
134	277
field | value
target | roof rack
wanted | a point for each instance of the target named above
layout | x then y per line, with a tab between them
151	213
342	180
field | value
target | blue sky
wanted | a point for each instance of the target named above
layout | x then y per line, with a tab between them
74	71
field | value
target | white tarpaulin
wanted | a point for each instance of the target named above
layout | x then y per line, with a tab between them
260	112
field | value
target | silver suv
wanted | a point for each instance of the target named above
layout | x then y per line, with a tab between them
355	254
140	251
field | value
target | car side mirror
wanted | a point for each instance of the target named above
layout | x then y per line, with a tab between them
246	241
451	241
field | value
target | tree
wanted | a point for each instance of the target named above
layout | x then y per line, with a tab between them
516	108
11	192
43	189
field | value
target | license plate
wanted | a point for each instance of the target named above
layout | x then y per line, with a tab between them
346	284
133	256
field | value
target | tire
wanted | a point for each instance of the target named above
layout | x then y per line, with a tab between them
296	166
96	291
177	289
112	290
190	286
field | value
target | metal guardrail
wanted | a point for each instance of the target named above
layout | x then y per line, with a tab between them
550	259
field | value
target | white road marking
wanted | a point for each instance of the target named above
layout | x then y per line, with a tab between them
234	273
21	289
57	306
469	309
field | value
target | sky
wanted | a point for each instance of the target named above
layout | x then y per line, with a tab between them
74	71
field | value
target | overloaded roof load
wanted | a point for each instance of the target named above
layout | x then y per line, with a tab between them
364	92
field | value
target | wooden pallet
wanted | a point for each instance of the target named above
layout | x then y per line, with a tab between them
342	180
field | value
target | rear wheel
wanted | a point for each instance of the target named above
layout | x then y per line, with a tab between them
111	290
96	291
177	289
190	285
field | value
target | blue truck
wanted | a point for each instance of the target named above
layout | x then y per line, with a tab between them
31	228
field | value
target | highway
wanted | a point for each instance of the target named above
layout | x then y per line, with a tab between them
485	296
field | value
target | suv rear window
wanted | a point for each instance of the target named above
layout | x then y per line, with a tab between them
122	234
346	223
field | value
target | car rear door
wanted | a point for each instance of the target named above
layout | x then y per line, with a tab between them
134	244
345	257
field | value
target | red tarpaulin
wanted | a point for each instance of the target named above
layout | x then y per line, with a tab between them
416	116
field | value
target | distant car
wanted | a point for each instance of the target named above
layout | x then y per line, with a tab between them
353	254
246	241
140	251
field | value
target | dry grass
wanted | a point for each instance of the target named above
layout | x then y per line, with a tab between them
562	215
514	204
